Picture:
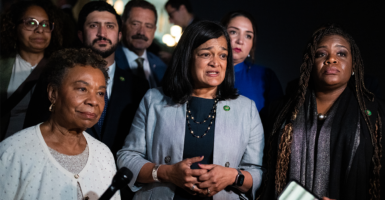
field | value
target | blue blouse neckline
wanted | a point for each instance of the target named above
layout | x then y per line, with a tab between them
240	66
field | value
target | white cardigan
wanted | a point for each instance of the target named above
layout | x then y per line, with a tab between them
29	171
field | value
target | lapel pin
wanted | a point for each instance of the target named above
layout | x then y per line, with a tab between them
226	108
121	78
368	112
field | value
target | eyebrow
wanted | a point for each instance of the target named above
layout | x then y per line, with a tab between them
101	22
338	45
86	83
208	48
238	29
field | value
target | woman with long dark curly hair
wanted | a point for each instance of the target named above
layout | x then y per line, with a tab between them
328	135
30	31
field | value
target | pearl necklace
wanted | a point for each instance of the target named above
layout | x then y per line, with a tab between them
210	117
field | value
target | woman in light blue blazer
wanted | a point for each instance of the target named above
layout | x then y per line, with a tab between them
196	138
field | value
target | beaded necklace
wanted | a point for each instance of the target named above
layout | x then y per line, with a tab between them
210	117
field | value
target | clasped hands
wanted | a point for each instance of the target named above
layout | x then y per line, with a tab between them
206	181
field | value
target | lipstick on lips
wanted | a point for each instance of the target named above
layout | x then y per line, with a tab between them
237	50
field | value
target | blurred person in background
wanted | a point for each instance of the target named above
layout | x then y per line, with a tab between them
180	12
253	81
30	32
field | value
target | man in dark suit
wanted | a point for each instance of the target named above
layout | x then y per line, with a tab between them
139	25
99	28
180	13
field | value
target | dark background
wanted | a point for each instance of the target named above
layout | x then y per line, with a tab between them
286	26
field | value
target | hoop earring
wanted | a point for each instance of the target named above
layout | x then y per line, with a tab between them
352	73
51	107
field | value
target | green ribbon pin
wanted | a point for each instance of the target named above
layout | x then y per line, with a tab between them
121	78
226	108
368	112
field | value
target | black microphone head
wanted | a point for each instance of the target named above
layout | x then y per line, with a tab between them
122	177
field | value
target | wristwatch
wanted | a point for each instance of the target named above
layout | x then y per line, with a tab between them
239	179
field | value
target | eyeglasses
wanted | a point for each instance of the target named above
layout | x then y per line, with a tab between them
32	24
170	14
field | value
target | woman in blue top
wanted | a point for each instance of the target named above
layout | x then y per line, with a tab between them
253	81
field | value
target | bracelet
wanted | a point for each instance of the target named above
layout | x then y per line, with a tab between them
155	173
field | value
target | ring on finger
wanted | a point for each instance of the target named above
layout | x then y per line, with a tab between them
192	188
208	191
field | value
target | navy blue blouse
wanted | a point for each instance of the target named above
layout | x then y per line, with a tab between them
258	83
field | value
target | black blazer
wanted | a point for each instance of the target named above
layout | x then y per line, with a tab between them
127	92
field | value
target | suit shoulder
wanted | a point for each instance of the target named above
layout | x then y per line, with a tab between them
243	102
155	59
155	94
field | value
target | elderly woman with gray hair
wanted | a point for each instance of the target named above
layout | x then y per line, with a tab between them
56	159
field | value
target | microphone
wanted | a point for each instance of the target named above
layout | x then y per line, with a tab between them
121	178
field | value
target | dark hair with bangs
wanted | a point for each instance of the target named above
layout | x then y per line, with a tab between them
178	82
231	15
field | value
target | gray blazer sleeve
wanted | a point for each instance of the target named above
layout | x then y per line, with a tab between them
133	154
254	150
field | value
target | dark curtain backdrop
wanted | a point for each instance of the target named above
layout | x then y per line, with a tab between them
286	26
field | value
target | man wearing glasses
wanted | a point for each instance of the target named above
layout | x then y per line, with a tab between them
180	13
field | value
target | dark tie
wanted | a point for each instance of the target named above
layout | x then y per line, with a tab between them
100	122
140	67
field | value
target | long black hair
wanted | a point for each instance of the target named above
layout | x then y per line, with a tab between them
177	82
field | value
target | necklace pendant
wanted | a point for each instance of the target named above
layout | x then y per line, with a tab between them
321	117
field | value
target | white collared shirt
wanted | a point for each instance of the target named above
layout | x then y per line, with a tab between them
131	57
110	82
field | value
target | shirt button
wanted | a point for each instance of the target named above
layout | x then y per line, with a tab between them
227	164
76	176
167	159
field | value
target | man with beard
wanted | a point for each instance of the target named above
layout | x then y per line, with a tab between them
99	28
139	25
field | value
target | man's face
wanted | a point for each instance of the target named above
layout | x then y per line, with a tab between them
139	29
101	33
175	16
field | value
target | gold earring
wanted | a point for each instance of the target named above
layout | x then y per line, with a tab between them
51	107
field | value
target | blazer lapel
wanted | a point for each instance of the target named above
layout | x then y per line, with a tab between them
223	138
171	133
121	95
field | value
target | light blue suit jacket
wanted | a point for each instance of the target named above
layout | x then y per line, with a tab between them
158	132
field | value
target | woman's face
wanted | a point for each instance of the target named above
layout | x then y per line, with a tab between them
241	34
210	61
34	41
333	63
79	102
